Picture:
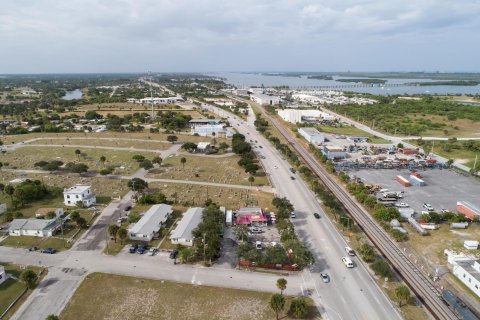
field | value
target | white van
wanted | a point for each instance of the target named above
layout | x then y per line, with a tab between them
293	214
347	262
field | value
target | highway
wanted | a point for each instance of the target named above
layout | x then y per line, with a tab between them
352	293
418	282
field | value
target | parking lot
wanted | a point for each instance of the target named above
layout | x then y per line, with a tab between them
443	187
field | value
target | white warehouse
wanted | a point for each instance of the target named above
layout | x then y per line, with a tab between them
183	232
466	268
312	135
265	99
299	116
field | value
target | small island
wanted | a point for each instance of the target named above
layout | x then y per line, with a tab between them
447	83
363	80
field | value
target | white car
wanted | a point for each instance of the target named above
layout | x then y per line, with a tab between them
401	205
275	167
428	207
152	251
347	262
325	277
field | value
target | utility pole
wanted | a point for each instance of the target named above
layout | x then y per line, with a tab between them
204	246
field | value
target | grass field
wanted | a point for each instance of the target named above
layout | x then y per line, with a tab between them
145	135
26	157
431	247
195	195
153	145
120	297
454	128
10	289
219	170
352	131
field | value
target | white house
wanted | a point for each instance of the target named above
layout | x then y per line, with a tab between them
265	99
3	208
183	232
150	224
34	227
466	268
73	195
312	135
3	274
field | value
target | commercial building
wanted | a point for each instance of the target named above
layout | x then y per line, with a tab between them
156	100
218	130
34	227
264	99
79	193
183	232
151	222
312	135
357	139
333	152
469	210
466	268
203	122
304	116
250	215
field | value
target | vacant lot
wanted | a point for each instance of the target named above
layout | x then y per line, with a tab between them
154	145
145	135
26	157
454	128
119	297
197	168
10	289
196	195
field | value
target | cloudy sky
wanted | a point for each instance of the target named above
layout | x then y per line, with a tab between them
38	36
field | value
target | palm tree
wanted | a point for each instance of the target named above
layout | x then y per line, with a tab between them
122	234
102	160
282	285
214	142
241	231
183	160
78	152
251	179
277	303
112	231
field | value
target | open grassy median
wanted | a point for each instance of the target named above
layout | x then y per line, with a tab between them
120	297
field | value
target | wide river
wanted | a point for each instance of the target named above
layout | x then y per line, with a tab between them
258	79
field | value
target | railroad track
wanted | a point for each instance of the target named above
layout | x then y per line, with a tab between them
420	284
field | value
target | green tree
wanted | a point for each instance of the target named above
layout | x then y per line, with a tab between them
281	284
30	278
172	139
189	146
77	153
146	164
81	223
299	308
241	231
183	160
251	179
122	233
102	160
9	189
2	188
185	254
277	303
402	294
52	317
112	231
138	158
382	268
137	184
157	160
367	252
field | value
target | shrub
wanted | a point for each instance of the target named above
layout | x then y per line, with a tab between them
381	268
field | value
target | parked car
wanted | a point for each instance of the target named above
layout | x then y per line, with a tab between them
32	249
347	262
128	208
141	249
292	170
401	205
152	251
293	214
133	248
428	207
316	215
173	254
48	250
258	245
325	277
292	178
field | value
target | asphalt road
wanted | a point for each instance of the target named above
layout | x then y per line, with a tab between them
352	293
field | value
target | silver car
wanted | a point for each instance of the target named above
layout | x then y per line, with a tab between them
325	277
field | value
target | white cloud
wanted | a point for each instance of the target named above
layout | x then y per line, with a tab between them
207	35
